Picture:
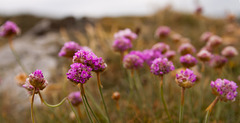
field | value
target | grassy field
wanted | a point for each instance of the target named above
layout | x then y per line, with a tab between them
98	35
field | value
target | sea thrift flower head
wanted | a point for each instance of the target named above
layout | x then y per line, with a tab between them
99	65
176	37
199	10
218	61
86	48
37	80
186	48
9	29
162	31
75	98
121	44
150	56
138	53
88	58
229	52
225	89
127	33
69	49
214	41
160	47
186	79
116	96
205	36
204	55
79	73
161	66
85	57
188	61
132	61
170	54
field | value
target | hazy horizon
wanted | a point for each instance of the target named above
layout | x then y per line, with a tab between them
96	8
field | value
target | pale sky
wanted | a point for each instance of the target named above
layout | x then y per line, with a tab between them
101	8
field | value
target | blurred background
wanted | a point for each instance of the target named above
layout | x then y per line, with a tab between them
47	24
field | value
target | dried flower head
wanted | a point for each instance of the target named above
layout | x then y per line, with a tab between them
186	48
161	66
69	49
229	52
218	61
79	73
204	55
116	96
160	47
162	31
188	61
21	79
121	44
35	80
186	79
9	29
225	89
132	61
75	98
127	33
176	37
205	36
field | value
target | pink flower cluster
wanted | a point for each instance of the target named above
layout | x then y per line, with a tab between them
162	31
133	60
126	33
161	66
225	89
35	80
9	29
69	49
188	61
75	98
186	48
79	73
186	79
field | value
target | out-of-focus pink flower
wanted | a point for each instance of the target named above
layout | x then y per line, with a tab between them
9	29
229	52
186	48
162	31
161	66
127	33
122	44
170	54
205	36
132	61
225	89
160	47
214	41
204	55
186	79
188	61
218	61
69	49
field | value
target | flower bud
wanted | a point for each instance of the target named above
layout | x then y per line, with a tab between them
116	96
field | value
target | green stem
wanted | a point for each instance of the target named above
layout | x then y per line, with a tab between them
95	104
163	100
85	105
16	55
74	111
32	113
206	117
100	90
49	105
209	109
94	115
181	106
136	86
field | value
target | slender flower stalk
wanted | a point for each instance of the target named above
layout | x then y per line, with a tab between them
100	90
16	55
32	113
86	104
184	79
181	106
49	105
163	100
209	109
74	111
